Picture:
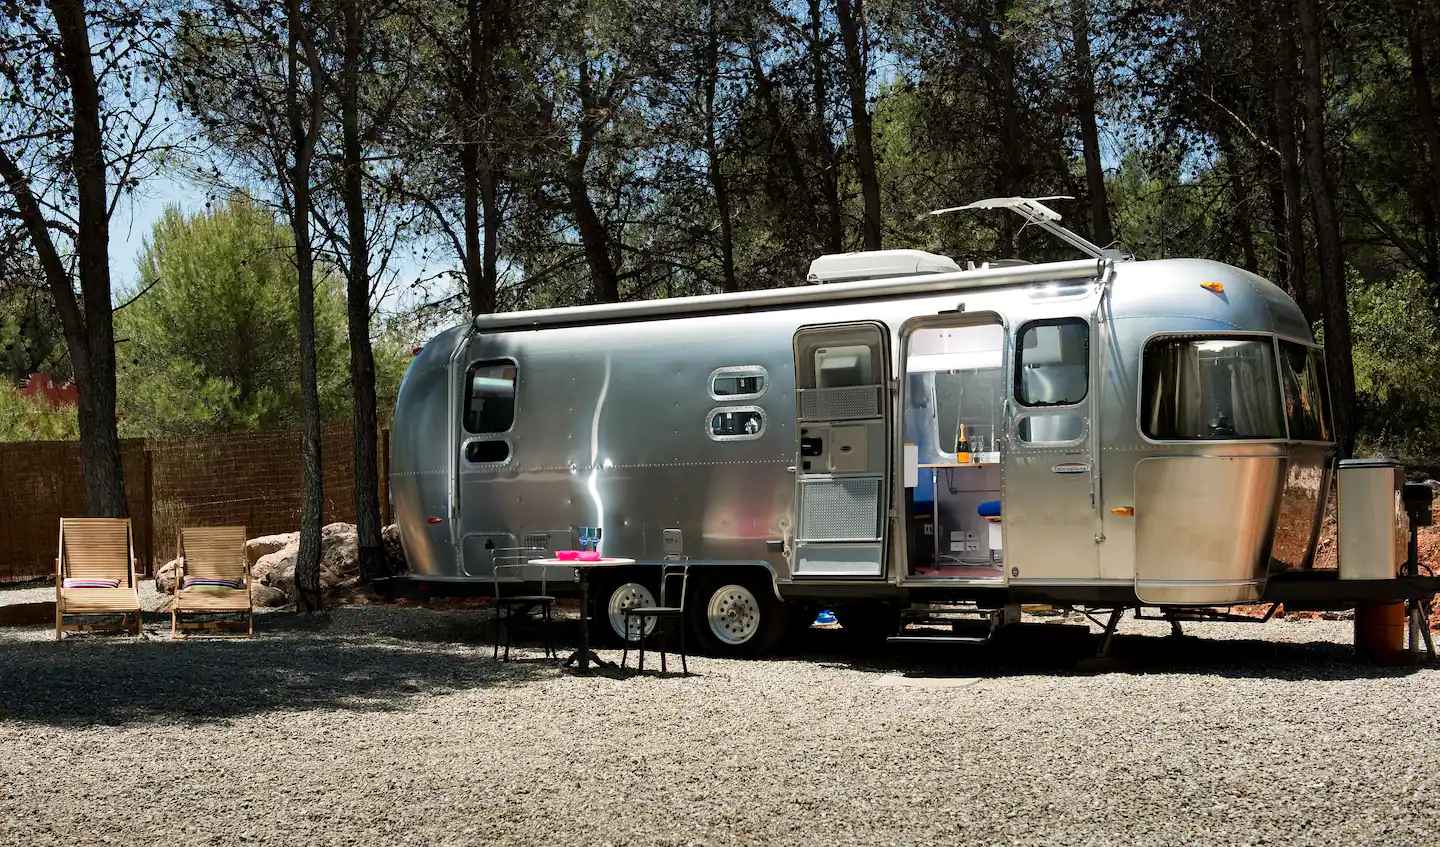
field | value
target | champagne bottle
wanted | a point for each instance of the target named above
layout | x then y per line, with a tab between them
962	447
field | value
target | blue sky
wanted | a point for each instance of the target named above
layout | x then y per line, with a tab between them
134	219
136	216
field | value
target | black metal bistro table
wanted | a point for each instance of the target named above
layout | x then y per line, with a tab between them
583	656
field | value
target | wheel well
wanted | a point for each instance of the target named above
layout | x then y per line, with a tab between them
700	570
747	571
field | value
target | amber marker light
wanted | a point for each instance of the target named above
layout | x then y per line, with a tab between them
1217	287
1125	511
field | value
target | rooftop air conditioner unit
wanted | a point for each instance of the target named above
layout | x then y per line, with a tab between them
878	264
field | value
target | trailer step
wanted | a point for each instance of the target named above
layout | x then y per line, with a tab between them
937	639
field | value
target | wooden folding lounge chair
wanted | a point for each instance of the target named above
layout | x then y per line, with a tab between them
95	574
211	578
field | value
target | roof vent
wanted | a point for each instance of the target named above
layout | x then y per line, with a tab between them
878	264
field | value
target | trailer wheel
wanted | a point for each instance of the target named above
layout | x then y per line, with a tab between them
734	616
608	612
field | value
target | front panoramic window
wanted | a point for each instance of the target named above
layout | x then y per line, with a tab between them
1210	389
1052	363
490	397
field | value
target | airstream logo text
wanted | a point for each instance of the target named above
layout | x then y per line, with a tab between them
1071	467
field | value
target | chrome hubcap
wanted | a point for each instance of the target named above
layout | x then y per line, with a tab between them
628	596
734	614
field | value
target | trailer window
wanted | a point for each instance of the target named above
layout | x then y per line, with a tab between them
1306	411
1051	428
744	382
740	423
955	384
838	367
490	397
1052	363
1210	389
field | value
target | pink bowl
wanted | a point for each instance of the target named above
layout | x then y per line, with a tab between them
567	555
589	555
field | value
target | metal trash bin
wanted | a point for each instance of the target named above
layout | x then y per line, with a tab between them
1373	525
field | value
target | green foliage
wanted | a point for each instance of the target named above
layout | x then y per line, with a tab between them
1397	355
31	340
210	343
32	419
393	351
1158	213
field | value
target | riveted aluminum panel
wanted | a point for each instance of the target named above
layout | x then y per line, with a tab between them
1205	526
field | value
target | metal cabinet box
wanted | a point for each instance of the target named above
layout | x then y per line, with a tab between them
1372	521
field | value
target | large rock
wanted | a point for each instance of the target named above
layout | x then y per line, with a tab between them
267	597
272	567
394	550
339	566
165	577
255	548
339	554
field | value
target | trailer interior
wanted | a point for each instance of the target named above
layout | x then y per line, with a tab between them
954	393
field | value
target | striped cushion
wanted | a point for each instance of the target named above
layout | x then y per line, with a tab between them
90	582
209	582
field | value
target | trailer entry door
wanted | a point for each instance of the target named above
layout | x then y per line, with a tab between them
842	462
1047	482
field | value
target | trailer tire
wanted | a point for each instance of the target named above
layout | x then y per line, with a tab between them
737	615
608	597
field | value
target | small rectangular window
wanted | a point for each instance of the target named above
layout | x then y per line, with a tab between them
843	366
741	423
490	397
487	452
1052	363
1051	428
1210	388
745	382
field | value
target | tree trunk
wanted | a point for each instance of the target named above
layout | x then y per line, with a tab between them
850	20
1010	179
713	170
1275	187
1239	201
371	548
1327	232
789	149
1101	229
304	122
593	236
1294	233
1430	132
103	474
832	231
490	208
481	209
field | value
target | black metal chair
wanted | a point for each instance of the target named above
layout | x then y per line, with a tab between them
661	612
506	606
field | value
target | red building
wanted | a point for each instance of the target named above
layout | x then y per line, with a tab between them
43	385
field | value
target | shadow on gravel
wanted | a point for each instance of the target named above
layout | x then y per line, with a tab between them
293	663
1057	650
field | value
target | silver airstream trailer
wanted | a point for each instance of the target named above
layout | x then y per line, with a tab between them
898	439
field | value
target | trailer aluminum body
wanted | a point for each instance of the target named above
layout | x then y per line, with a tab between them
1151	433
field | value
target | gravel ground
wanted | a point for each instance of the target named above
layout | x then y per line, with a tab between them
150	599
383	725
